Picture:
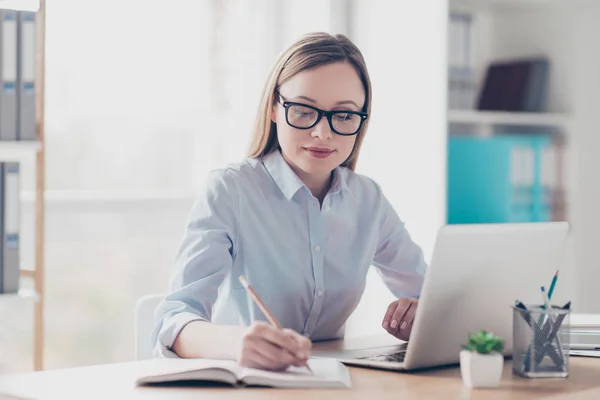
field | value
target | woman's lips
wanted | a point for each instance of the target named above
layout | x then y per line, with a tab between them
319	152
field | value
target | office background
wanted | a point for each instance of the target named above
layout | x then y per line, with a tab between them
143	98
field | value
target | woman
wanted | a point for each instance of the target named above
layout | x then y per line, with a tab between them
294	219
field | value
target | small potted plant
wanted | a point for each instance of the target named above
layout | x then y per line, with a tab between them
481	360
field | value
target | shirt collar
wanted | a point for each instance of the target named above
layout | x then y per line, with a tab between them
282	174
339	181
289	183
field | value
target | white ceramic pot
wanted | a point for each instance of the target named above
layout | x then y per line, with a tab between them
481	370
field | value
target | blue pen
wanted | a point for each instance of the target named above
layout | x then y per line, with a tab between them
547	303
545	298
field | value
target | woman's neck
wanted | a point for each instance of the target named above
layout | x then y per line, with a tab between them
317	184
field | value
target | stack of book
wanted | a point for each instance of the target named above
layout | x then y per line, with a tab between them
584	335
516	85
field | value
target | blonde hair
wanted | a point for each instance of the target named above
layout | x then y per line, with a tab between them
310	51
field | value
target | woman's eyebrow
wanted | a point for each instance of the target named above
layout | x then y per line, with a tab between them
306	98
339	103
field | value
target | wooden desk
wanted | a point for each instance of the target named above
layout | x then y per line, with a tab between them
115	381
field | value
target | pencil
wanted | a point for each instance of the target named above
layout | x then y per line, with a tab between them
552	285
270	317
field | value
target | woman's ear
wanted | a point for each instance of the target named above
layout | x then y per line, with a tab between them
274	113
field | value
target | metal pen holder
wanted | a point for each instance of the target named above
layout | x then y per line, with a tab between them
540	342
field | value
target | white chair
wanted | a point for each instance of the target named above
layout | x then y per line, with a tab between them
144	322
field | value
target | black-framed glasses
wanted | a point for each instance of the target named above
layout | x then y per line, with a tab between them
303	116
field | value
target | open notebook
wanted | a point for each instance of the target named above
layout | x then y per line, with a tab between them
327	373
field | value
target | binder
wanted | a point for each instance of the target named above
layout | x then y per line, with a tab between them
498	179
10	229
521	164
2	202
461	74
535	96
26	77
8	76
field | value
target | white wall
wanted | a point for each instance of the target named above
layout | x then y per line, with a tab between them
404	44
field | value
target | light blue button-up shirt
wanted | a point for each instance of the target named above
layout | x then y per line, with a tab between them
307	262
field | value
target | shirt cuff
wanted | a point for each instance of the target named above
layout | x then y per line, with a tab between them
169	331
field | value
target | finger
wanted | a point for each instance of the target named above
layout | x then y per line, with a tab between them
301	345
304	342
275	354
406	324
305	349
388	314
255	359
280	338
403	306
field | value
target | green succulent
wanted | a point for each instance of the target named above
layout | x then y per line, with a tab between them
484	342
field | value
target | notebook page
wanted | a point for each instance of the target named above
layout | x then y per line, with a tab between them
326	373
168	369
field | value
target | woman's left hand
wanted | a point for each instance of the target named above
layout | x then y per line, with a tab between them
398	320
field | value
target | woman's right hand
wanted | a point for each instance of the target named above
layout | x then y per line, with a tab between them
267	347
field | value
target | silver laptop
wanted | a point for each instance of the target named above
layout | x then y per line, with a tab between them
475	275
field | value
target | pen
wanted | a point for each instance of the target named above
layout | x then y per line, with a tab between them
552	285
272	320
519	304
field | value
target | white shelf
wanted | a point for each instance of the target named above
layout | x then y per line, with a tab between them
25	294
19	151
20	5
508	118
500	4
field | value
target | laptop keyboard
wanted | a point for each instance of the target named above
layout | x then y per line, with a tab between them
394	357
393	354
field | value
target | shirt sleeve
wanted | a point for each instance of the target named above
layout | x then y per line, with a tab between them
203	259
398	259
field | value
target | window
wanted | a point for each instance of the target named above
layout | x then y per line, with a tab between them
143	97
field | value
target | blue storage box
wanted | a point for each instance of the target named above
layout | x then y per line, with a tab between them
497	179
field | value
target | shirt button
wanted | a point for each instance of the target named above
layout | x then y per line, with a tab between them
326	208
317	248
320	293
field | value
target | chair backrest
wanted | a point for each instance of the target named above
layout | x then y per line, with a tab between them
144	322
